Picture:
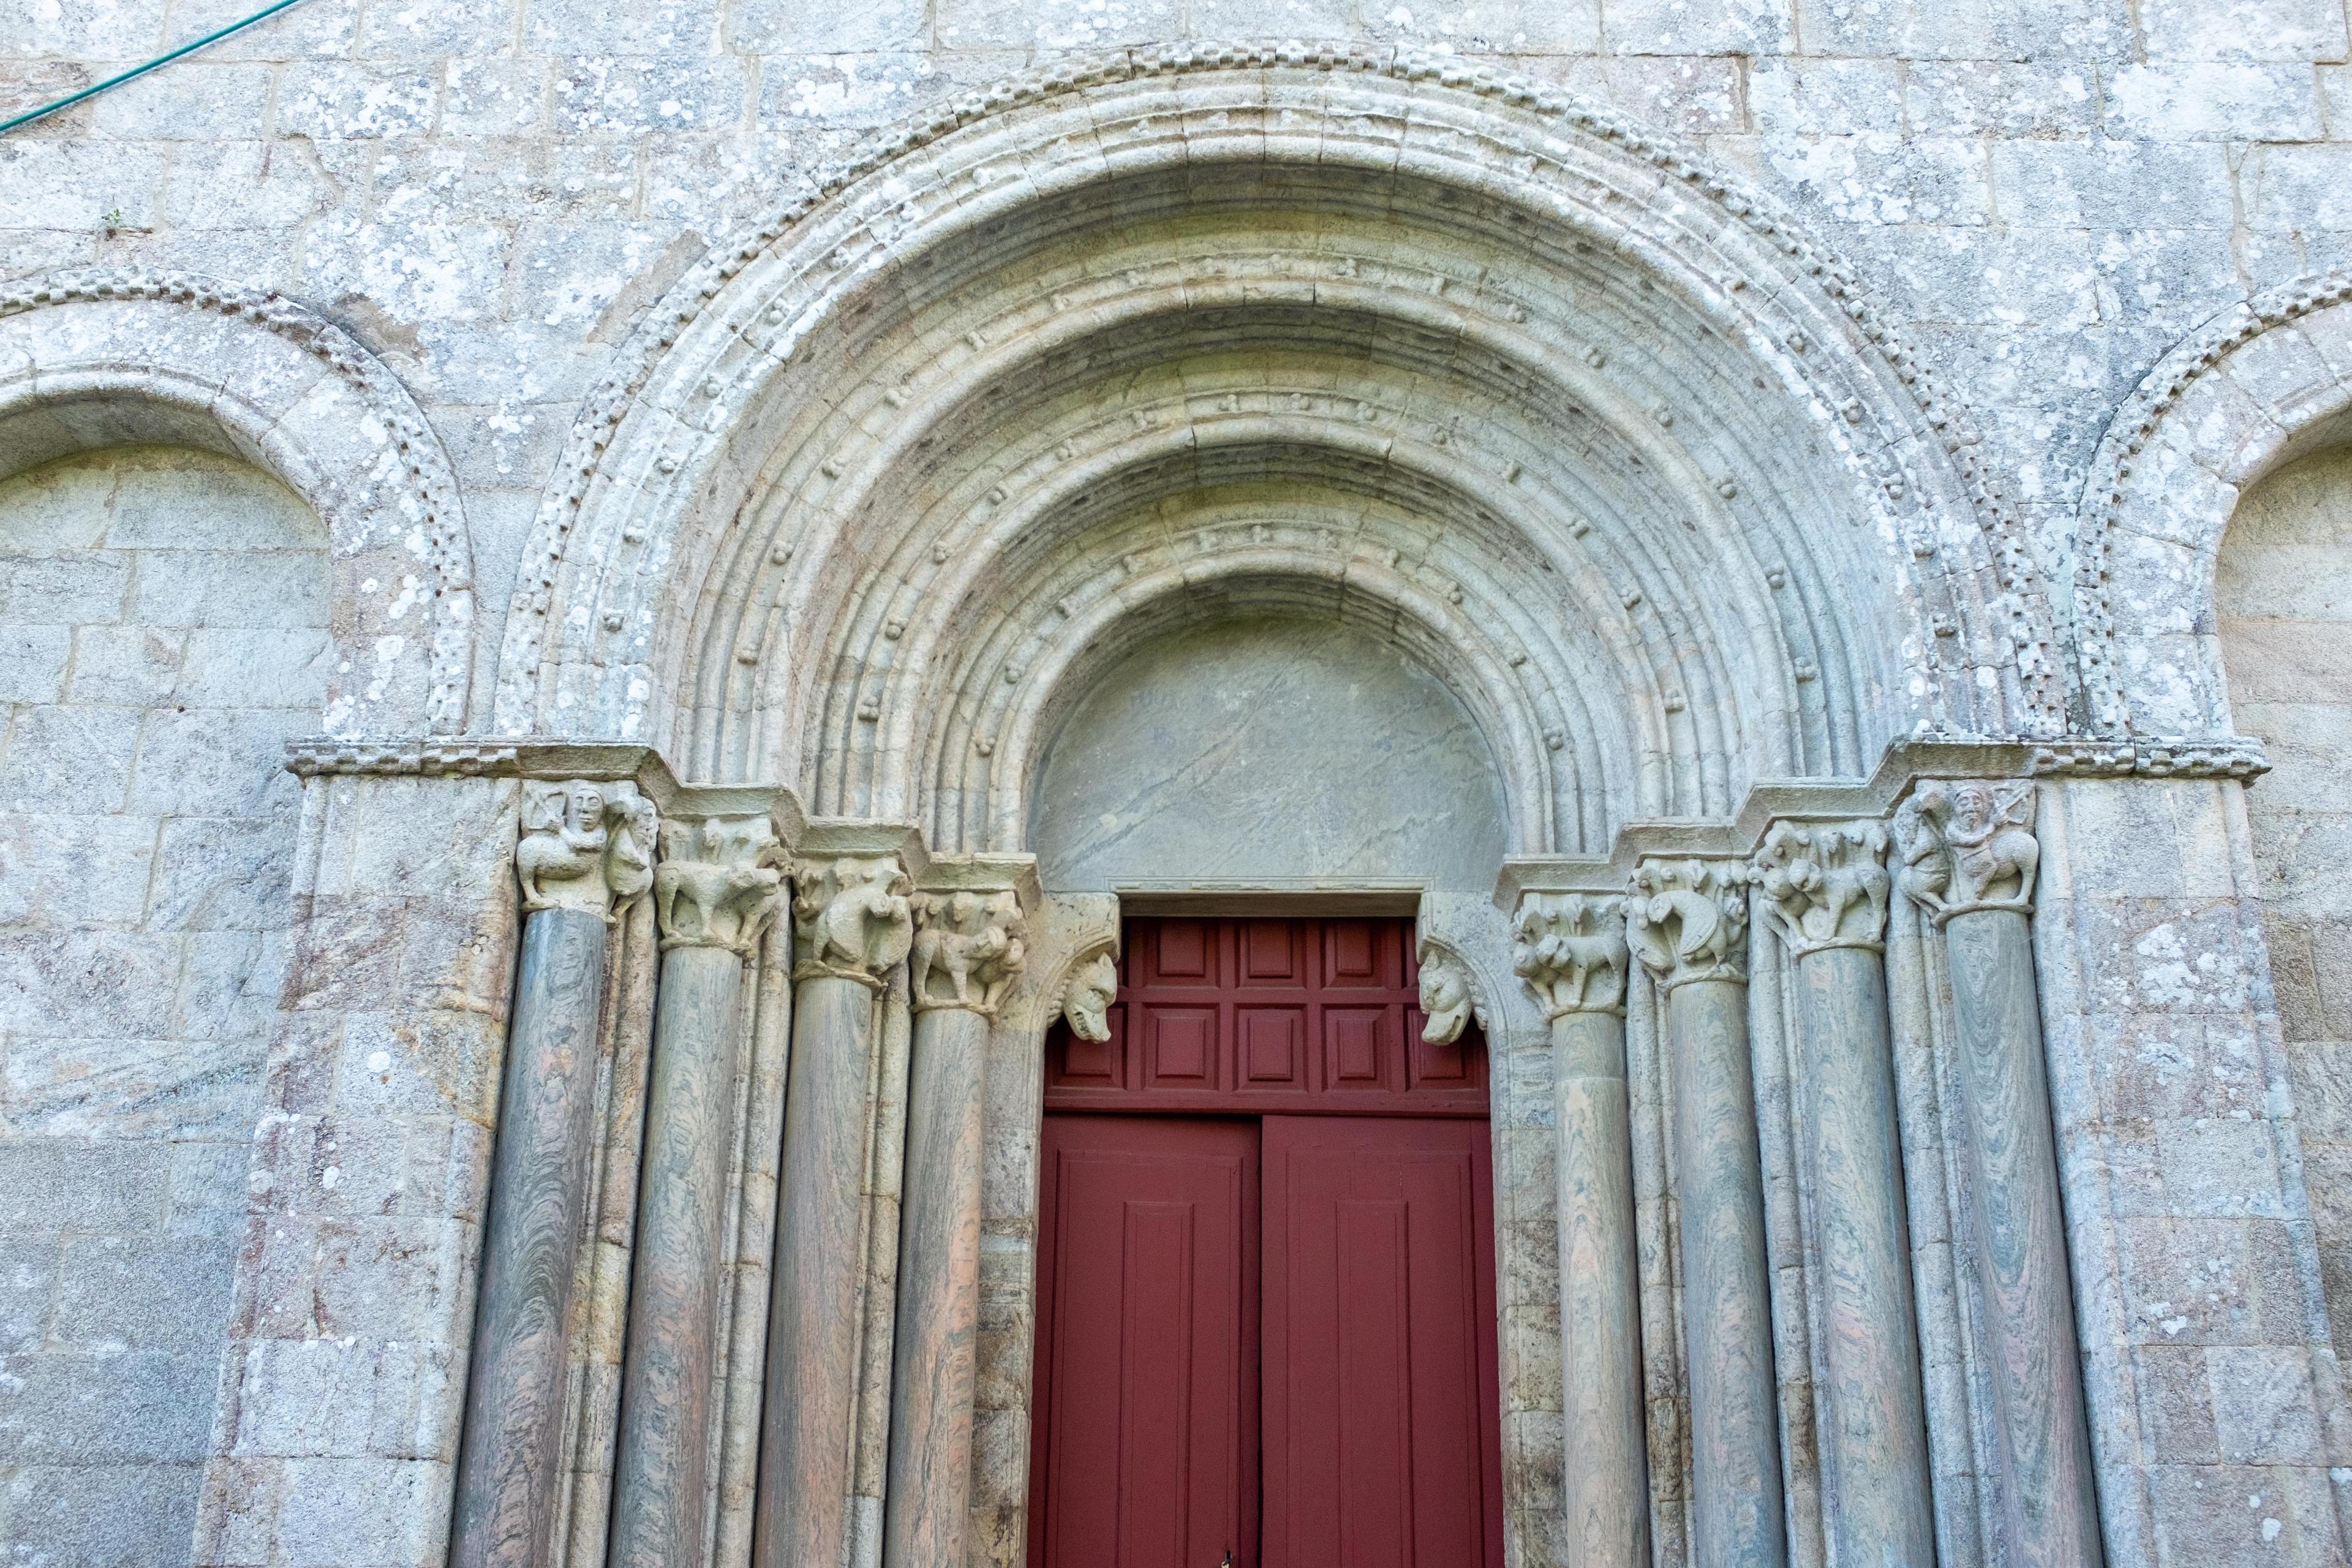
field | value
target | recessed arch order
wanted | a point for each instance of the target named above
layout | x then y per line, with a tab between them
1607	444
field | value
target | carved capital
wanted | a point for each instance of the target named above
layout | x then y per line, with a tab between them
1448	1002
1969	845
1086	996
1570	950
1688	920
585	846
970	946
717	882
1825	883
851	917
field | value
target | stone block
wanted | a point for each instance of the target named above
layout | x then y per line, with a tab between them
248	669
68	757
28	1280
497	98
162	1293
200	101
56	872
400	1508
2243	29
69	587
783	28
33	662
220	874
118	1087
2265	1406
268	590
98	1516
132	665
2209	1281
84	1408
331	100
1881	177
220	763
2112	186
230	983
72	984
1478	26
2002	98
609	96
1697	96
2299	189
2214	102
1992	30
434	1064
1802	96
73	1185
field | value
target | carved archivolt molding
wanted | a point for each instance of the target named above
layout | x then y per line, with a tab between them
853	917
1687	920
1700	586
2235	399
584	846
116	355
970	946
719	881
1825	884
1969	845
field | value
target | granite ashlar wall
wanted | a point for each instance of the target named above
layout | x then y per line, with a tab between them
162	635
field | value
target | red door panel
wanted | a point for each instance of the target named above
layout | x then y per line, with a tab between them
1144	1453
1382	1444
1284	1016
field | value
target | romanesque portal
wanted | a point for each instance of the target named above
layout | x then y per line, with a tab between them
1321	502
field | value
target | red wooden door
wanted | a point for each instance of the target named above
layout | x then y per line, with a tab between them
1382	1449
1144	1450
1367	1435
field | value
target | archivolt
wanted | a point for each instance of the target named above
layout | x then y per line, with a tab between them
99	358
2263	382
1621	456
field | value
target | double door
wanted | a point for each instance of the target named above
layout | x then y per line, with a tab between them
1268	1341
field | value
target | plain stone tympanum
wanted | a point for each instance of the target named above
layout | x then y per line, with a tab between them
606	612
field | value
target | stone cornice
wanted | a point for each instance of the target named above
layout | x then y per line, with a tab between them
599	762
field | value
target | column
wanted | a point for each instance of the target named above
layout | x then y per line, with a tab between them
1569	949
714	893
1826	892
1687	922
583	846
1969	860
970	946
852	926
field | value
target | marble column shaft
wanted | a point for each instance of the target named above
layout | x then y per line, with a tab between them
583	844
1826	888
1569	949
1970	860
970	945
851	927
714	894
1688	920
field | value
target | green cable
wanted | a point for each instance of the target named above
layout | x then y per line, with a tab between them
141	70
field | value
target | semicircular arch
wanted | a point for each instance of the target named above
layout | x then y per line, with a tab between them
1634	413
95	358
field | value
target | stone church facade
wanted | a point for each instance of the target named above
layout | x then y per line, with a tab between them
607	615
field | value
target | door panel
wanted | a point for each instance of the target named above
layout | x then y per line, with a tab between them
1145	1449
1382	1446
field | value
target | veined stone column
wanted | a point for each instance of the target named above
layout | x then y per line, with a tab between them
1826	890
714	893
970	946
1570	948
1688	920
1969	860
852	924
584	846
